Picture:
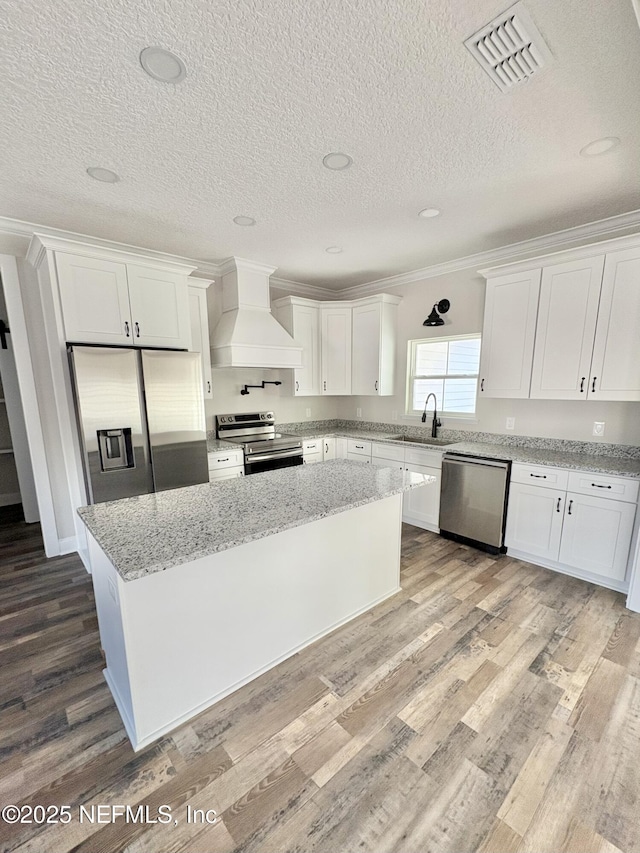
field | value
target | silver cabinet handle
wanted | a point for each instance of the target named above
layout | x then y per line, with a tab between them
359	446
208	387
558	505
297	385
482	385
126	327
325	385
539	476
598	486
137	325
224	460
582	384
593	385
376	384
569	509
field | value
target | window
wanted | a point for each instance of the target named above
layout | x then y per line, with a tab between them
448	368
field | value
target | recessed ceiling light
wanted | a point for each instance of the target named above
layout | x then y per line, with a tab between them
334	250
244	220
429	212
104	175
600	146
163	65
337	161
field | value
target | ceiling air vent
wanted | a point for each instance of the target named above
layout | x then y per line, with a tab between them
510	48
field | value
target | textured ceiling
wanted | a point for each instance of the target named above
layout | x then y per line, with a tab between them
272	86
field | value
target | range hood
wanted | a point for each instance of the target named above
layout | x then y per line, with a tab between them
247	334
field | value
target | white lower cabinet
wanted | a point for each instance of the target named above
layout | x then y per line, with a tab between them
597	535
572	527
421	507
534	520
329	447
225	464
341	448
312	450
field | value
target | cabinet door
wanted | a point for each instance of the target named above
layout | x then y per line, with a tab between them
358	457
306	333
336	350
329	448
159	308
421	507
569	297
200	335
365	371
534	520
615	370
508	334
341	448
95	300
597	535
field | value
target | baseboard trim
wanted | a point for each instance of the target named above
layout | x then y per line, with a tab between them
68	545
10	498
617	586
416	522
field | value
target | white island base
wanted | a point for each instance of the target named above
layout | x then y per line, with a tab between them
179	640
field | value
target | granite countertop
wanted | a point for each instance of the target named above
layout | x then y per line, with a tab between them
578	460
151	533
617	465
215	444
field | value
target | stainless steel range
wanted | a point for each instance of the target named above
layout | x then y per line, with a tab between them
264	448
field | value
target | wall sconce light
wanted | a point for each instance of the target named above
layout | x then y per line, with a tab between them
434	319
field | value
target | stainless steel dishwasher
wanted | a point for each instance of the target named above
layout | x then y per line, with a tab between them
473	500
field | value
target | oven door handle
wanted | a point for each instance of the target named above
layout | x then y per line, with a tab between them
266	457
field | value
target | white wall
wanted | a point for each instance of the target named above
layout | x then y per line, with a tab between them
546	418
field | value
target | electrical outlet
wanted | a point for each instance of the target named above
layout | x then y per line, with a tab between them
511	423
394	415
598	427
308	412
358	412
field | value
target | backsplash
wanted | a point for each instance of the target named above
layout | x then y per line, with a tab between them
557	444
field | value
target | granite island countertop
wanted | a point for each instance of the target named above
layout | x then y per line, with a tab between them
151	533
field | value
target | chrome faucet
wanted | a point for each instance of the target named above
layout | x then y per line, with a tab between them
435	423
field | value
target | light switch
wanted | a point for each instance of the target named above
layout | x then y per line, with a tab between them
358	412
598	427
308	411
511	423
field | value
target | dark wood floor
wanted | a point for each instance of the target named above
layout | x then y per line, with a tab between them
490	706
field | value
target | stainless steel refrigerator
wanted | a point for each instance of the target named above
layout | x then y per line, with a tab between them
140	418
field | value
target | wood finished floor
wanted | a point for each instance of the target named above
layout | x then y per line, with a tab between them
490	706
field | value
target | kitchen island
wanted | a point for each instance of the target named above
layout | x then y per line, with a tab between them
199	590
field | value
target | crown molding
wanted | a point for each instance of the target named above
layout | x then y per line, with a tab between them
308	291
599	230
546	243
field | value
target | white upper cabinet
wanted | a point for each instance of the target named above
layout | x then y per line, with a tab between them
106	300
374	345
586	344
95	300
508	334
200	330
335	324
159	308
567	315
301	318
615	368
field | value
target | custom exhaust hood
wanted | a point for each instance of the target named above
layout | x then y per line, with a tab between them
247	334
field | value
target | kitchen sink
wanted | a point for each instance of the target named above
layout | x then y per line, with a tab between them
436	442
